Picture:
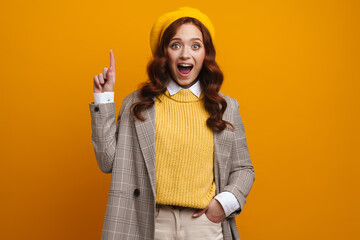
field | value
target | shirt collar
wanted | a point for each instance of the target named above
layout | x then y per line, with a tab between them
174	88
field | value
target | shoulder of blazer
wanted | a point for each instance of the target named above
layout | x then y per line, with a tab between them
132	97
126	103
232	102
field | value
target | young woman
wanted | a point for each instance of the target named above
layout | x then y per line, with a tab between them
177	153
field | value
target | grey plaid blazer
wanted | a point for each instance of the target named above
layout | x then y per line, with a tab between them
127	150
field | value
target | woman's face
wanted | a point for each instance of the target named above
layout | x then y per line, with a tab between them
186	53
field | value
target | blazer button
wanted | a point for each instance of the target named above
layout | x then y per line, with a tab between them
136	192
96	109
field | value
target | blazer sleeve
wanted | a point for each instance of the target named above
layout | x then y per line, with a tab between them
242	173
105	132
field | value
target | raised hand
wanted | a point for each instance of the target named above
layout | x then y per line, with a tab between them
105	81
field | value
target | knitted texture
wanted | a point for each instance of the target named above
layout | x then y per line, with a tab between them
184	151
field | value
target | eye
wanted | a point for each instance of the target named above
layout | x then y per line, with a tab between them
196	46
175	45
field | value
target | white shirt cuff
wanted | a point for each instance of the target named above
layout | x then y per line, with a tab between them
228	201
105	97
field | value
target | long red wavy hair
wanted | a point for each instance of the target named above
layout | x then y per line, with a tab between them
210	77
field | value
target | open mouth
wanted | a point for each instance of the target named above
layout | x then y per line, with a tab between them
185	69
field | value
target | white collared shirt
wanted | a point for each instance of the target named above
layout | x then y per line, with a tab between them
227	200
173	88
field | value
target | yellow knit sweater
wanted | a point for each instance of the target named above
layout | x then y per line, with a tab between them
184	151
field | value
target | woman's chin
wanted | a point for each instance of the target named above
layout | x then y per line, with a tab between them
186	83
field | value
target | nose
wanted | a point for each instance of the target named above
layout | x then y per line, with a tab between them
185	53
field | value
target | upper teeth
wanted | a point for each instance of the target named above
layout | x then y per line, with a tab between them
185	65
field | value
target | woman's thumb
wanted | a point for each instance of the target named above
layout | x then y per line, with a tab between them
200	212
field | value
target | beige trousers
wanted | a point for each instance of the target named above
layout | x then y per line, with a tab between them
177	223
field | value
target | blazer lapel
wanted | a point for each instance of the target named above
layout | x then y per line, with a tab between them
222	150
146	135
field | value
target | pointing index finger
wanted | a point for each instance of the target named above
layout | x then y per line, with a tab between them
112	59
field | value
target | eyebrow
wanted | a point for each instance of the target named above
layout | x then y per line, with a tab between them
192	39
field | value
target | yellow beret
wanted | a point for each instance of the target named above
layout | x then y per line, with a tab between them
166	19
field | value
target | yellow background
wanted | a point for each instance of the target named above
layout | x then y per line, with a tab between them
292	65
